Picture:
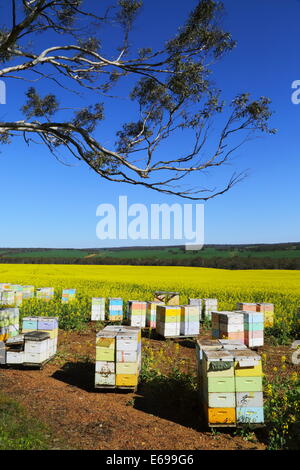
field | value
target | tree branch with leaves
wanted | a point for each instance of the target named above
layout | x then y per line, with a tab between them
171	89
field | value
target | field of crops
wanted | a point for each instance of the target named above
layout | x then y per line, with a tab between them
138	282
167	367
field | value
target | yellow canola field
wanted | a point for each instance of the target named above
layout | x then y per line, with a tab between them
280	287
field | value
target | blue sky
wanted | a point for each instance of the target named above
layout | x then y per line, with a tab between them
47	204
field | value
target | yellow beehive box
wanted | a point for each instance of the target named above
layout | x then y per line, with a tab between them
126	380
253	371
221	415
105	342
126	368
247	364
105	354
52	333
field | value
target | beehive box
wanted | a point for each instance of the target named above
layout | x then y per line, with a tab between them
218	387
168	298
254	329
115	309
118	357
7	297
268	310
229	383
45	293
168	320
68	295
231	326
151	313
27	292
189	320
249	387
199	304
9	323
46	325
37	347
208	306
136	313
263	307
98	309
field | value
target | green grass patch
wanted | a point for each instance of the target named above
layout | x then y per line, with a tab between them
18	431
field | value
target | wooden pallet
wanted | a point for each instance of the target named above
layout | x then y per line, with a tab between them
237	425
114	387
178	337
35	365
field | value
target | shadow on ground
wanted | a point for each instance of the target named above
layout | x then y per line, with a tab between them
185	342
77	374
172	400
82	375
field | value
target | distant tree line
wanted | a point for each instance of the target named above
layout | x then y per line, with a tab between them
235	262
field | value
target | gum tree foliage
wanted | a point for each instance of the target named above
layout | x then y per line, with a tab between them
172	90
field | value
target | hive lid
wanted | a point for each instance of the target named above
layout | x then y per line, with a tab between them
19	339
209	344
165	292
36	336
221	355
247	358
127	335
232	344
106	334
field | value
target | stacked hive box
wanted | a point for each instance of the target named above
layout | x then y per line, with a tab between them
98	309
190	320
48	325
246	306
248	387
7	297
38	347
115	309
151	313
18	294
9	323
168	298
215	324
32	348
229	382
198	303
209	305
14	353
68	295
45	293
218	387
254	329
105	373
118	357
231	326
136	313
168	320
27	292
266	308
4	286
245	327
128	357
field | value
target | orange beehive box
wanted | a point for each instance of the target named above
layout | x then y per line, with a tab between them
221	415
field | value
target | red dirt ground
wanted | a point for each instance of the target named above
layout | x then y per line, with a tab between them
62	396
